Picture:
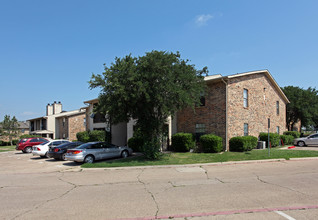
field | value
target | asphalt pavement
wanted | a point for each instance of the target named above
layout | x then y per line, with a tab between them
34	188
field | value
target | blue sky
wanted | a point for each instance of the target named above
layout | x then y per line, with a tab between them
49	49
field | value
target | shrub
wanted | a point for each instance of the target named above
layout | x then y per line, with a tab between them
273	138
96	135
211	143
244	143
136	143
28	136
83	136
287	139
182	142
151	149
15	141
295	134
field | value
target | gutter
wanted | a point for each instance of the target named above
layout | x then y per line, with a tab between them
226	118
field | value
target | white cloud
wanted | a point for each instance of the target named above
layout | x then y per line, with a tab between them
203	19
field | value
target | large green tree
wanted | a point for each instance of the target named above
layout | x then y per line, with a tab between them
9	127
303	106
149	89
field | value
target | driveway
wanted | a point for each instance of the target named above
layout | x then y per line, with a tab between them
32	188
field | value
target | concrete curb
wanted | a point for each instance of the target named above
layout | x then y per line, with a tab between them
205	164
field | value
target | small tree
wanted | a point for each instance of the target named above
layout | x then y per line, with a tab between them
10	127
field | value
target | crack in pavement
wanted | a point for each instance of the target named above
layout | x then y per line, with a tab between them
284	187
49	200
148	191
206	172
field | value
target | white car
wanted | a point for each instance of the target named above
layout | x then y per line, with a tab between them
42	149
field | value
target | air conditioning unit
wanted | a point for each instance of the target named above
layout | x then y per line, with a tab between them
261	145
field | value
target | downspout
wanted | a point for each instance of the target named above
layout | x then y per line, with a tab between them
226	114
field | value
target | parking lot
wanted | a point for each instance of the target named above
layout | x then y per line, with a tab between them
34	188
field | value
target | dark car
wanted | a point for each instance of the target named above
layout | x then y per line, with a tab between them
59	152
26	144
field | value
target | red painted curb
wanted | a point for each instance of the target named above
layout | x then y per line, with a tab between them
224	213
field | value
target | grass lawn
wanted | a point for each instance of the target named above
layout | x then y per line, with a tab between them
7	148
192	158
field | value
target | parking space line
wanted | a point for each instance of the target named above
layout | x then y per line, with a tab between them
285	215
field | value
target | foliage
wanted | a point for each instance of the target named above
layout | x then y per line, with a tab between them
243	143
28	136
89	136
151	149
211	143
182	142
303	106
295	134
274	138
96	135
136	143
9	127
83	136
148	89
287	139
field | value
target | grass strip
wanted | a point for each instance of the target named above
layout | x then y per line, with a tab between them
193	158
7	148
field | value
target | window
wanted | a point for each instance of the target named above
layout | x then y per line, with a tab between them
63	122
277	129
245	98
199	130
202	100
277	107
245	129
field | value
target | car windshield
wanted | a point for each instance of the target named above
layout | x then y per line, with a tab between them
84	146
44	143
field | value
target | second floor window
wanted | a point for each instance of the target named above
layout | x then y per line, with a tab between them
277	107
245	98
245	129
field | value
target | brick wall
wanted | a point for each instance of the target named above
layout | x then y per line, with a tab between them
259	110
63	128
212	114
76	124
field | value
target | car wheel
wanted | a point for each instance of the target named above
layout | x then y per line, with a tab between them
124	154
27	150
43	156
63	156
301	143
89	159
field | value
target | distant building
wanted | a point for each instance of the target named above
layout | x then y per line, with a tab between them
58	124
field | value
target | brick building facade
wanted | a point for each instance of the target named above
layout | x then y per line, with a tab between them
70	125
237	105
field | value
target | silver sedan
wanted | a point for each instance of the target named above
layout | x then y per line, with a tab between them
311	140
92	151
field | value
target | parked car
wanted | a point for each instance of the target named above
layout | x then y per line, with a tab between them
26	144
42	149
59	152
307	141
92	151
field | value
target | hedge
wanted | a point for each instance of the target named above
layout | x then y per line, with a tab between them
95	135
274	138
136	143
243	143
182	142
211	143
28	136
287	139
295	134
